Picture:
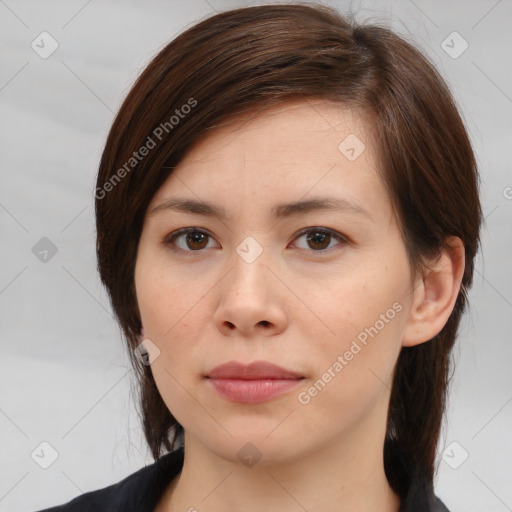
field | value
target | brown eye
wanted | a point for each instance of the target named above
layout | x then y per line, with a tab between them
189	240
320	239
196	240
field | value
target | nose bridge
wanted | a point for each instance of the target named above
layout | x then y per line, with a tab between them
250	260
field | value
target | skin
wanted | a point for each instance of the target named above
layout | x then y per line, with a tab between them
299	305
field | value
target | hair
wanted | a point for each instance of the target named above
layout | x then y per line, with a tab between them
242	61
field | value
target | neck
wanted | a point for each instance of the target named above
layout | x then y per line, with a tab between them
337	476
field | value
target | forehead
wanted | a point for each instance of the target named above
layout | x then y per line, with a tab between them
284	153
294	124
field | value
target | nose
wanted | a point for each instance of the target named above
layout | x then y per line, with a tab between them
252	301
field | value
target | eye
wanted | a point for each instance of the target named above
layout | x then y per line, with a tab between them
320	239
193	240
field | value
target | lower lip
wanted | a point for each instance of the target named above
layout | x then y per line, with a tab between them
252	391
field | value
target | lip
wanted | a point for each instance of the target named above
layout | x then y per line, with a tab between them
255	370
257	382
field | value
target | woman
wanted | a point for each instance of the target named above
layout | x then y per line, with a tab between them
287	218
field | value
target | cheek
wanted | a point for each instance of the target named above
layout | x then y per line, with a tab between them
365	298
166	303
353	369
172	313
355	353
164	295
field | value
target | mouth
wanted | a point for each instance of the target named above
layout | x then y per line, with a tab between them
257	382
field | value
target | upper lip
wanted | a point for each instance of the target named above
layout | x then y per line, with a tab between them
255	370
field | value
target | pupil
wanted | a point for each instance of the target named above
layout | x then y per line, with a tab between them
195	238
319	238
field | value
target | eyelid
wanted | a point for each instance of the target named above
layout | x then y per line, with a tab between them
341	238
169	239
335	234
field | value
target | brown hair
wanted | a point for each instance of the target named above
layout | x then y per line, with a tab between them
251	58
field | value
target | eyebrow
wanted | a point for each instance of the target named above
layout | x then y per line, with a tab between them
279	211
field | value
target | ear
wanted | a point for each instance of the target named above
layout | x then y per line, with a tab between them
434	294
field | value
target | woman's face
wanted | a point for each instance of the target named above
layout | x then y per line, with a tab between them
323	292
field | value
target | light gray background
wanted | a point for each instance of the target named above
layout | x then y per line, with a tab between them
64	374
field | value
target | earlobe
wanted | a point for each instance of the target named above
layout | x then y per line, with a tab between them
435	294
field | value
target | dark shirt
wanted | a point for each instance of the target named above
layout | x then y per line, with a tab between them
141	491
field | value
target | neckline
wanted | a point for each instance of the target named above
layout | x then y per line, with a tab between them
166	468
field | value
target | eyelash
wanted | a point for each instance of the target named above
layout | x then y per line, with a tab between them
169	240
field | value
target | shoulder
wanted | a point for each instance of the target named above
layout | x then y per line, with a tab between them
439	506
426	503
422	500
138	492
